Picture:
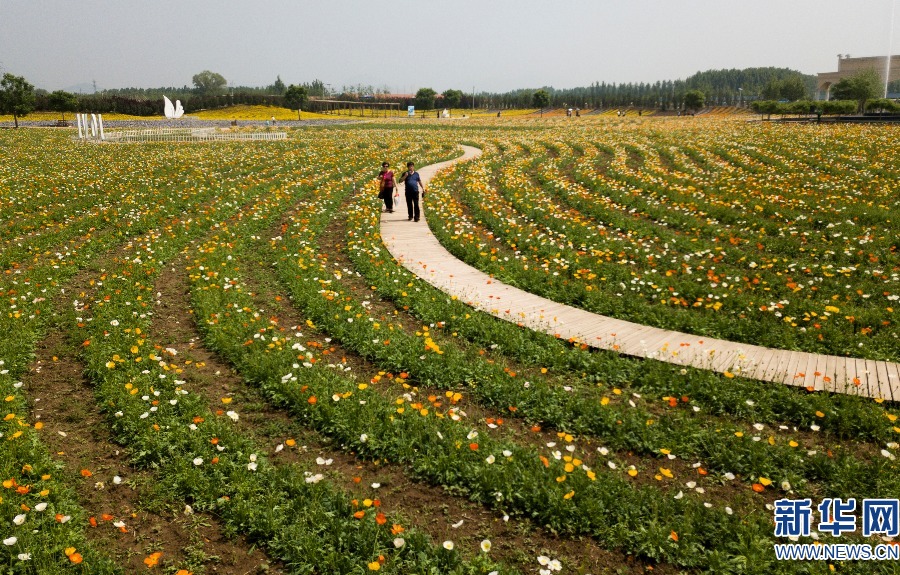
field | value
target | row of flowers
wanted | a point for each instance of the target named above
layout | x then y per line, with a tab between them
688	238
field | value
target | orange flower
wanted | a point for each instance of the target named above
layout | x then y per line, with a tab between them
380	519
107	517
93	521
535	428
545	461
183	572
153	559
673	536
86	473
397	529
473	446
312	400
359	514
76	558
357	479
758	487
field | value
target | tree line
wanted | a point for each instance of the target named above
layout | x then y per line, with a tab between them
768	89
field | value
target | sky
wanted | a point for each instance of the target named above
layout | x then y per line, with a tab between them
403	45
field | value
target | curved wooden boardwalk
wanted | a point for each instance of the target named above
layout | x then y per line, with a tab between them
415	247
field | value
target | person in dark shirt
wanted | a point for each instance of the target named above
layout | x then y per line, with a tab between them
413	182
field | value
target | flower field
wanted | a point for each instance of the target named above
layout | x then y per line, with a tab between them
212	340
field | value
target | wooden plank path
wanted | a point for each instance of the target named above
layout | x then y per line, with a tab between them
415	247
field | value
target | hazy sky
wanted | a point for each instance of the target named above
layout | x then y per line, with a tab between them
493	45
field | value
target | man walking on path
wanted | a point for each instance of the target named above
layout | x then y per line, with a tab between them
413	181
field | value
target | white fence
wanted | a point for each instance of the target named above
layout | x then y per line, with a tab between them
190	135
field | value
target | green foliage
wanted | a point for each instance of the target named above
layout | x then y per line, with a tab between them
425	98
295	98
792	88
540	99
882	105
62	101
862	86
837	107
453	98
694	99
278	88
16	96
208	82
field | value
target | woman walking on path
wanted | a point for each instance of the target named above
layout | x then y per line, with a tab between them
413	181
386	187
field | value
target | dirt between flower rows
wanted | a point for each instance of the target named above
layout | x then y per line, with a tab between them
442	515
76	433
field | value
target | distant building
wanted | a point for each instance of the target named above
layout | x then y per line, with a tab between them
848	66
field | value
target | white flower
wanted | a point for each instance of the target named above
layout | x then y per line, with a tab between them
19	519
24	556
114	323
233	415
472	434
448	545
65	518
490	459
399	542
198	461
679	495
458	524
376	485
486	545
729	476
315	478
729	511
251	466
40	506
543	560
10	541
555	565
507	453
364	438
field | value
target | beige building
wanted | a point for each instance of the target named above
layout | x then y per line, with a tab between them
848	66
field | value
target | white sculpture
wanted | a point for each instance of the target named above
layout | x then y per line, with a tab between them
173	112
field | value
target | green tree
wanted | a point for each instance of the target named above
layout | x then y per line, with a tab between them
16	96
425	98
793	89
209	83
278	87
540	99
295	98
694	99
862	86
453	98
882	105
62	101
